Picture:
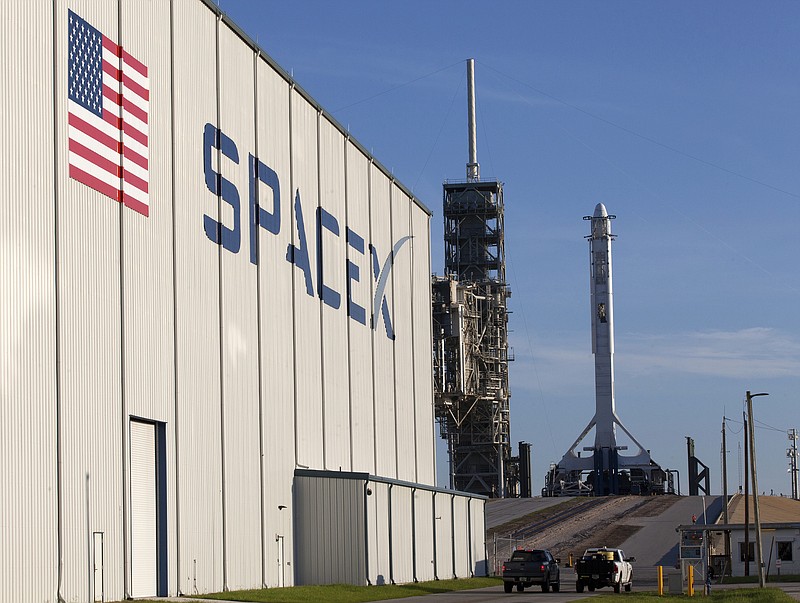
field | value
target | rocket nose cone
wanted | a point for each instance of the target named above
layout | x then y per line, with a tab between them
600	211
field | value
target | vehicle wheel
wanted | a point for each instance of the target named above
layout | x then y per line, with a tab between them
546	586
508	586
628	587
616	587
520	588
591	588
579	586
557	586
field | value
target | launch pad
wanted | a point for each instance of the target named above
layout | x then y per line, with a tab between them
604	469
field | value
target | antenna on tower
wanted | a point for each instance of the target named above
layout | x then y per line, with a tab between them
473	168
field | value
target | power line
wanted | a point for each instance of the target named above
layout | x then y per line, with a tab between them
644	136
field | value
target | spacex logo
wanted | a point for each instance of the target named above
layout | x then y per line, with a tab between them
327	226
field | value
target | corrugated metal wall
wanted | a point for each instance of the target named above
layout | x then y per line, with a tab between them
197	300
461	538
192	318
90	350
423	367
477	513
28	436
277	338
423	536
331	262
331	532
383	310
402	532
362	414
360	529
443	527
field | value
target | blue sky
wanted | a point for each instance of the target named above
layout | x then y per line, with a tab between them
681	117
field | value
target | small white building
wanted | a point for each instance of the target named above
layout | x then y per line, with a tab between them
780	538
780	535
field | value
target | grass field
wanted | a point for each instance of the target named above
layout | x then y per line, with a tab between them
343	593
741	595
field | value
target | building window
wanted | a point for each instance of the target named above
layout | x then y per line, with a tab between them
785	551
751	552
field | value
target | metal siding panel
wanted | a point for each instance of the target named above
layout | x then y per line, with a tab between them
444	536
28	566
304	523
383	347
477	512
147	267
461	529
147	256
336	395
360	351
378	526
276	334
88	232
423	367
308	361
197	303
404	338
402	535
330	533
242	454
423	533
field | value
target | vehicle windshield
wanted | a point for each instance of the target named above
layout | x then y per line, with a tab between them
535	556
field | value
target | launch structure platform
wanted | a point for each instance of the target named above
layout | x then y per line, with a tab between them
604	469
470	332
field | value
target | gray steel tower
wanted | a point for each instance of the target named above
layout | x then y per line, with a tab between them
470	319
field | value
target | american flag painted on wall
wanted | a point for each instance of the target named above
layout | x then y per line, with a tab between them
108	105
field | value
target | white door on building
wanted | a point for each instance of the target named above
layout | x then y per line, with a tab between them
144	524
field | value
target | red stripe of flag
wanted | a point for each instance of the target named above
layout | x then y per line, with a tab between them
135	87
136	205
94	157
129	59
111	47
135	134
114	120
137	112
134	157
98	185
98	135
134	180
111	70
112	94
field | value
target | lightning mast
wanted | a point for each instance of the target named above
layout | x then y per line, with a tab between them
470	338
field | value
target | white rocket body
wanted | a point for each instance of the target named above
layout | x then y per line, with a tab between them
602	304
605	419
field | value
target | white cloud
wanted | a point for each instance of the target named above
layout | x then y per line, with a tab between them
752	352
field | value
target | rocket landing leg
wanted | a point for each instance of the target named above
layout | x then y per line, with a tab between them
603	469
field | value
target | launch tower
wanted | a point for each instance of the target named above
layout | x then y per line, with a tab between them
604	469
470	334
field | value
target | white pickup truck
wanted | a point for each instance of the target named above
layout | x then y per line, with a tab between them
599	567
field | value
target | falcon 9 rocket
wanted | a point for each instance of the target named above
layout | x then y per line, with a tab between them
604	470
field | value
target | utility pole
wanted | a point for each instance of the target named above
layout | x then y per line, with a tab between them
746	500
759	554
725	488
792	454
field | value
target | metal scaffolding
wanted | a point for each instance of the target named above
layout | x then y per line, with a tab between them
471	353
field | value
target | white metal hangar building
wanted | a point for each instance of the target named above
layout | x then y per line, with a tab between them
215	329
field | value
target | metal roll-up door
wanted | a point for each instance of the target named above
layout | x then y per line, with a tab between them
144	524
